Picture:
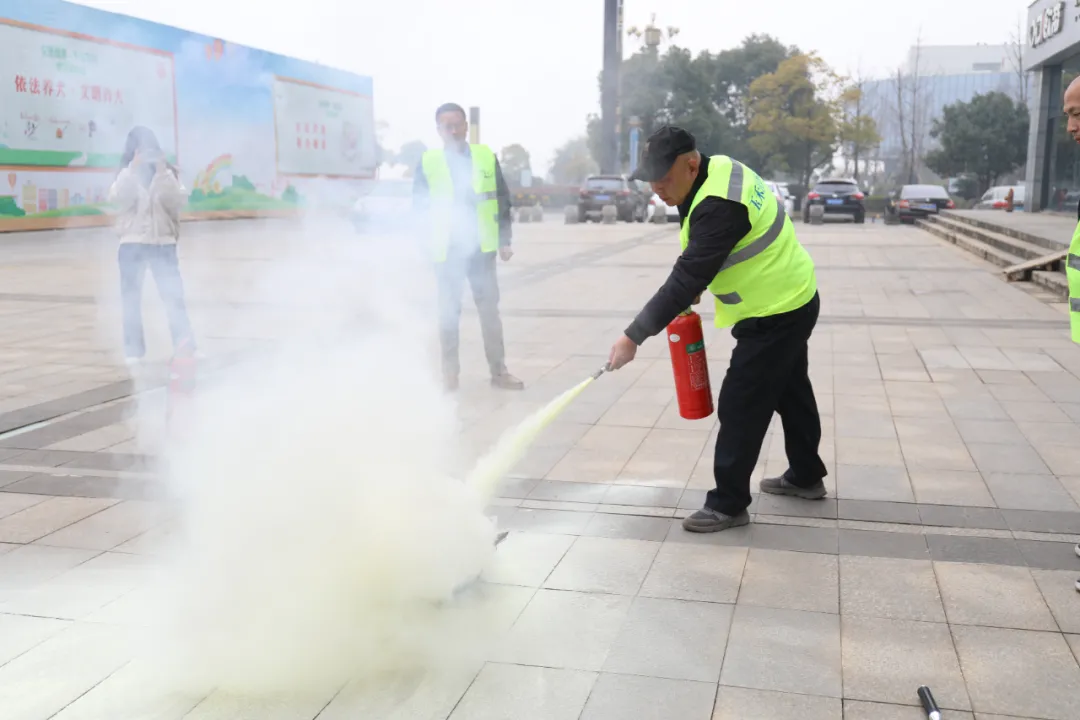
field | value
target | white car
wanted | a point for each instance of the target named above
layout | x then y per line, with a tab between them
994	198
383	206
657	205
783	197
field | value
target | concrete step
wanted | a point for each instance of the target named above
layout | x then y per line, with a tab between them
967	219
1055	282
1022	249
966	242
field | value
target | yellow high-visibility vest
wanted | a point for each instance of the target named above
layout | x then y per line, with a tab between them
768	272
441	188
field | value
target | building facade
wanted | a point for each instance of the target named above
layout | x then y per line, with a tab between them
905	105
1053	57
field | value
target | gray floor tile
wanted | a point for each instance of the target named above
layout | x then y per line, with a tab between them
1018	672
628	527
525	693
784	650
642	496
875	511
1003	432
962	517
792	537
618	697
565	629
857	482
1048	555
519	488
950	487
555	522
527	558
955	548
858	710
1043	521
1058	588
883	544
672	639
696	572
791	580
795	507
1029	492
1012	459
692	499
992	595
734	703
884	660
604	565
567	491
889	588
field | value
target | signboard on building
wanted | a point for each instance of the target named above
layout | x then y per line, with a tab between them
249	131
1046	24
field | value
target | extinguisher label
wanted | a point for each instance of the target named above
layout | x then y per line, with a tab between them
695	347
699	371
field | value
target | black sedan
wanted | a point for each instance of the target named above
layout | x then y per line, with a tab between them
839	197
912	202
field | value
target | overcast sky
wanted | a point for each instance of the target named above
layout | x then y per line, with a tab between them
532	66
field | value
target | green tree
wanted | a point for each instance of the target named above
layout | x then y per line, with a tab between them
410	155
8	208
734	71
793	117
986	138
241	182
573	163
291	196
514	160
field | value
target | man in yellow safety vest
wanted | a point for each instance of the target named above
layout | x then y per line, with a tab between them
739	244
461	192
1072	260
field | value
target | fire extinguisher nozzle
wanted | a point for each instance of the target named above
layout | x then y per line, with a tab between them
601	371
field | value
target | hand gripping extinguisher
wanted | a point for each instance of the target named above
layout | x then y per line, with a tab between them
181	384
686	341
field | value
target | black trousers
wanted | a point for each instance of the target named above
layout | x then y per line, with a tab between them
769	372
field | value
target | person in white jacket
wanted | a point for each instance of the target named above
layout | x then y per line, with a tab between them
148	196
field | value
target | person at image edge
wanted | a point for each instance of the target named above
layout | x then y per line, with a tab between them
740	245
1072	264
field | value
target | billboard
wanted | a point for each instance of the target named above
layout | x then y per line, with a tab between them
250	131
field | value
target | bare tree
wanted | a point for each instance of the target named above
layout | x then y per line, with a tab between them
915	90
1016	60
901	114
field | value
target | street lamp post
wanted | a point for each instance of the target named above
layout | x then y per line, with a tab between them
609	93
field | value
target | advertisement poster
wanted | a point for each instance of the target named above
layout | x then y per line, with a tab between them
249	131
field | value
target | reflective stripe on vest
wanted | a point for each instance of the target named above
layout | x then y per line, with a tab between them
1072	273
768	272
484	191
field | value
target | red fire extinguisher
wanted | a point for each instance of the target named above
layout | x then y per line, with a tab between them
686	341
181	383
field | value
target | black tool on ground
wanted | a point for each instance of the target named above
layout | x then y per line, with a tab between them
929	705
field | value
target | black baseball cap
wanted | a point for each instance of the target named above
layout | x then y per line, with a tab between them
660	151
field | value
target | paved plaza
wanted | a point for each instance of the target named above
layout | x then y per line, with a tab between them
943	555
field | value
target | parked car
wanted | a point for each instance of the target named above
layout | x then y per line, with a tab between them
994	198
630	198
839	197
657	205
912	202
383	206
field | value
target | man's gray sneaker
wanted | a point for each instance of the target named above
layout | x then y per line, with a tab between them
782	486
709	521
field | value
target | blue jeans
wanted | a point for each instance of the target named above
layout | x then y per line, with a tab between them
165	266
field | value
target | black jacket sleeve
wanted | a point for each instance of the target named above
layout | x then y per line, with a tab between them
716	227
502	191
